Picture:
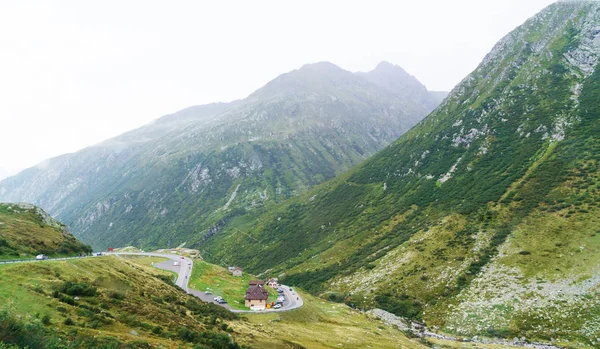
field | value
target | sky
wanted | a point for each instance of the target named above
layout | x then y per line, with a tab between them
74	73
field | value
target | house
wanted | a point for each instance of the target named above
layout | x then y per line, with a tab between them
256	295
273	282
236	271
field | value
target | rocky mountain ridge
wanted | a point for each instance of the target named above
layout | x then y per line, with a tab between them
170	181
480	221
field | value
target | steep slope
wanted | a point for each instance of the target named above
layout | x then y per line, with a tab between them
105	302
483	219
167	183
26	230
123	302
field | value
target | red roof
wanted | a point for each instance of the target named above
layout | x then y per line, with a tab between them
257	293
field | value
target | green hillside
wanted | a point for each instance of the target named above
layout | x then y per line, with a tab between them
171	181
104	302
26	231
483	219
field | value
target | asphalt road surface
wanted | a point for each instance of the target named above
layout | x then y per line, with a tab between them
184	272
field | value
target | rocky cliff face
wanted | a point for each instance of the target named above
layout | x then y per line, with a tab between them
174	179
481	220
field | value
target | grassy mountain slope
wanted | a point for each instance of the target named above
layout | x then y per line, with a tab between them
104	302
113	302
174	179
26	230
480	220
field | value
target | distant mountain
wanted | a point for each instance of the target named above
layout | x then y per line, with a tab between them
26	231
483	220
398	81
173	180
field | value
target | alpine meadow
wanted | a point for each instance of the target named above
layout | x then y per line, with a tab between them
330	209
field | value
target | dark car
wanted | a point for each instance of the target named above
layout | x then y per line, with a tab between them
222	301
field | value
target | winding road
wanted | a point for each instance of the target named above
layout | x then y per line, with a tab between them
184	273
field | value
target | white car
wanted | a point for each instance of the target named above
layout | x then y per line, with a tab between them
277	306
41	257
218	298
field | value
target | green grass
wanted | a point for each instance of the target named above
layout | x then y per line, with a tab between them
127	298
26	232
320	324
149	261
219	281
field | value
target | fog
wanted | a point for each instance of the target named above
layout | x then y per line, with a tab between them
74	73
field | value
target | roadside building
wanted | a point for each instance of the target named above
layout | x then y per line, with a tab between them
237	271
256	295
273	282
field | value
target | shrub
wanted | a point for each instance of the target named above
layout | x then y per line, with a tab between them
46	319
69	322
78	289
117	295
157	330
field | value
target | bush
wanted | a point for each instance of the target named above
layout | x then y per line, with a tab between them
78	289
117	295
157	330
69	322
46	319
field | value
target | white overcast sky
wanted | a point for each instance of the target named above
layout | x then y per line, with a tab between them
73	73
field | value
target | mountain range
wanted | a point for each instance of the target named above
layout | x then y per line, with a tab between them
168	182
480	219
483	220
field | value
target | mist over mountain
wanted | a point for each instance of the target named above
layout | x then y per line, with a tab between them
170	181
483	220
396	80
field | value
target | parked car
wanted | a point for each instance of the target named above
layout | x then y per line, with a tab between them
217	298
279	290
182	257
222	301
41	257
277	306
291	289
207	292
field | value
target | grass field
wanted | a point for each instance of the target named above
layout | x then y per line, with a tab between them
149	261
132	306
25	232
219	281
321	324
128	303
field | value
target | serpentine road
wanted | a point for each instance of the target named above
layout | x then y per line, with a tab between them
184	273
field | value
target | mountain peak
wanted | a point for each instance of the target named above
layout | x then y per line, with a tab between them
385	67
321	66
398	81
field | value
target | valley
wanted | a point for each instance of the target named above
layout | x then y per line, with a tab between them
330	209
